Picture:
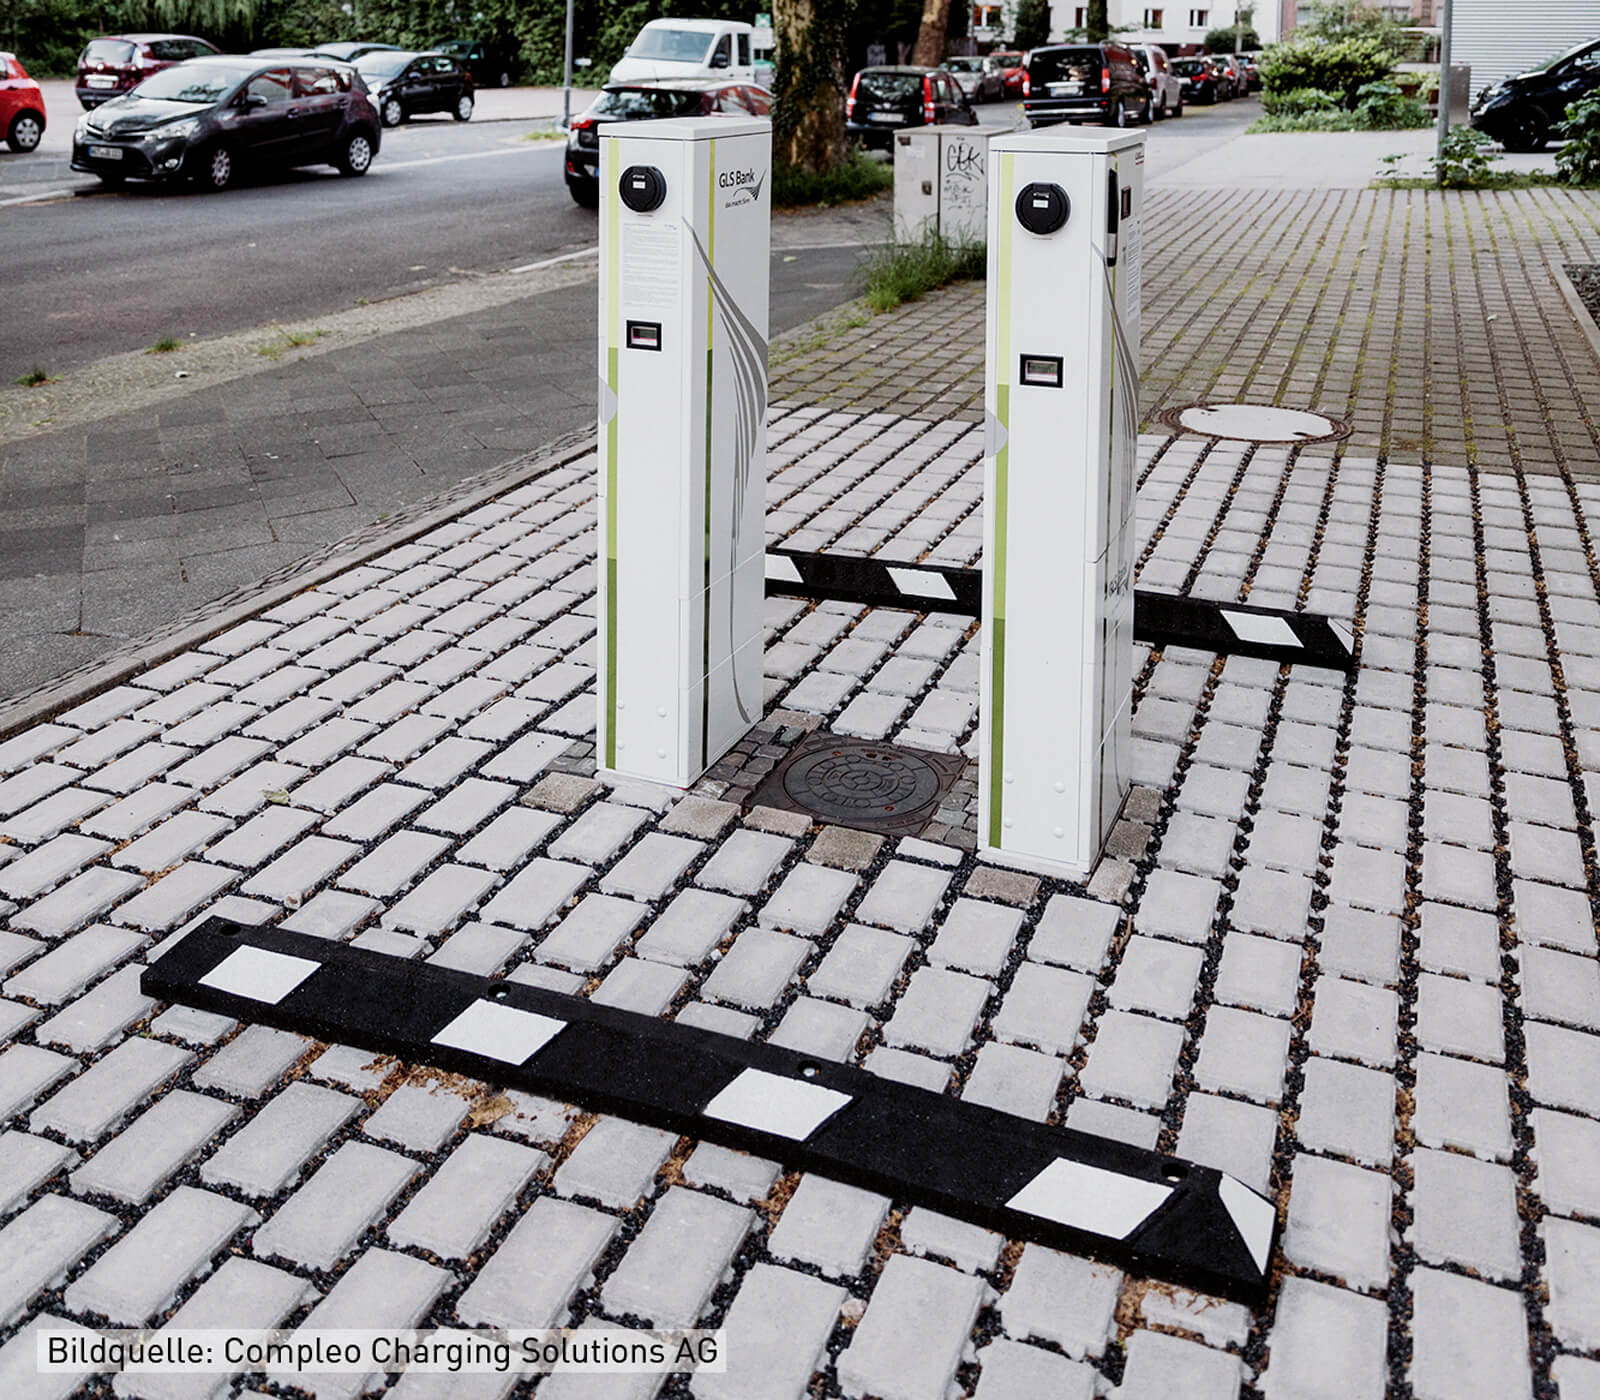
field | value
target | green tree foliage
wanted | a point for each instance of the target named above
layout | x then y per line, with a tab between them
1350	19
1338	67
1030	27
1223	40
1096	22
1579	160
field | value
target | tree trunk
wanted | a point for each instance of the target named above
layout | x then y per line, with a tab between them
929	52
809	85
1097	23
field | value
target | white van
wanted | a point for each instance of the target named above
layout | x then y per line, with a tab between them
688	48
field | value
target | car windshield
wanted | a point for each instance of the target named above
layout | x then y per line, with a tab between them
200	83
671	45
382	64
964	65
643	104
1189	66
888	87
1064	65
1566	57
108	51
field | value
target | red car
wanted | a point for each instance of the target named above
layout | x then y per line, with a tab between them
1012	67
116	63
21	105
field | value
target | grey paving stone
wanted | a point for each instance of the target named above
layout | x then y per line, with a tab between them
1063	1299
975	936
820	1028
252	1062
55	814
652	869
41	1245
1012	1371
247	793
536	894
33	785
903	897
145	1155
377	812
46	866
175	897
1158	976
636	984
467	806
915	1330
1197	845
742	1176
1259	972
444	764
138	1277
299	870
828	1225
530	1279
1015	1080
970	1247
1173	905
1459	1017
417	1117
598	834
671	1268
1468	1338
1360	944
1339	1221
317	1226
1572	1269
937	1011
1368	879
105	1093
167	844
1243	1053
25	1163
1463	941
331	914
440	900
861	966
1327	1344
615	1163
192	1027
219	761
1354	1021
1272	901
331	789
1564	1067
690	927
744	862
843	848
1160	1366
16	949
1462	1105
1115	1122
1044	1007
83	898
1231	1136
506	842
785	1319
702	817
1347	1109
758	967
455	1211
527	757
67	968
906	1068
271	1150
1133	1057
1552	915
1465	1212
391	866
1565	1148
1576	1378
808	900
1217	1323
1558	986
586	939
404	737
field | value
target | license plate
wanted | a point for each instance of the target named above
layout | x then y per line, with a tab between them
100	80
1066	89
891	118
106	152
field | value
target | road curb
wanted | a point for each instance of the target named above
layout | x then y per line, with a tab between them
1575	303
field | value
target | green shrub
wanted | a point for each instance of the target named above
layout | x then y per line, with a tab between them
1463	161
1223	40
860	177
1382	107
1339	67
898	272
1579	160
1030	28
1297	102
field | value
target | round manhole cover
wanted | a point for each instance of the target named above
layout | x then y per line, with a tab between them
852	785
1256	422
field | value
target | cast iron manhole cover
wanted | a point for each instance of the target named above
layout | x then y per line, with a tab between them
1255	422
858	783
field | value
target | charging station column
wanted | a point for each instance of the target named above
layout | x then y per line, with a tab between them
685	227
1061	391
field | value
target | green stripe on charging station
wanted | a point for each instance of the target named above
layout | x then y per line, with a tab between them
613	198
705	544
1002	464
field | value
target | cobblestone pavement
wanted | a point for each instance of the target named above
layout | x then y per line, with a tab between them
1343	944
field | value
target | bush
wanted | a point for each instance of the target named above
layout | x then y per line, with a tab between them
1030	27
899	272
1382	107
860	177
1223	40
1339	67
1579	160
1463	161
1297	102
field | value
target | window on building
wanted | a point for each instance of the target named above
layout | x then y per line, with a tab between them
1153	18
1199	19
1080	16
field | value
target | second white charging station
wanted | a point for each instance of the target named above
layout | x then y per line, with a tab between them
685	210
1062	398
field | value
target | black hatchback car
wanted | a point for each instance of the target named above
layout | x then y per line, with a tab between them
883	101
1521	112
1085	82
206	119
1199	79
404	84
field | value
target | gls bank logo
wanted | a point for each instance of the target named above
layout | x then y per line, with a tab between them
744	185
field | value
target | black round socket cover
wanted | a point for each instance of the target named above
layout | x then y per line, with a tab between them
643	188
1042	208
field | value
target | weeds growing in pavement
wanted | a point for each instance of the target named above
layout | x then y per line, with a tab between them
35	376
165	345
1579	160
860	177
899	272
292	340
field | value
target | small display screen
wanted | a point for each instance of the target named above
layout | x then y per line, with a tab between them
1041	369
644	335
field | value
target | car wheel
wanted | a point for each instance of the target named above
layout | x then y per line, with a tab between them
1118	115
217	168
586	196
391	112
1529	134
26	129
356	157
504	80
1147	114
109	180
463	111
1178	110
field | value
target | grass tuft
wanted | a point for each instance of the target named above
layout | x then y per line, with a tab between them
901	272
860	177
165	345
34	377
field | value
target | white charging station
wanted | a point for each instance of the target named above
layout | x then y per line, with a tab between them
1061	392
941	183
685	228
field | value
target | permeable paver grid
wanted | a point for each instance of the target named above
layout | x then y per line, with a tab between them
1342	948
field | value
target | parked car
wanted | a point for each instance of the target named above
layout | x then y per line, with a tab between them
1166	91
350	52
1232	72
634	102
281	53
118	63
885	100
1199	79
209	118
1252	72
1085	82
688	48
403	84
21	106
1223	73
1520	112
977	78
491	65
1012	67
